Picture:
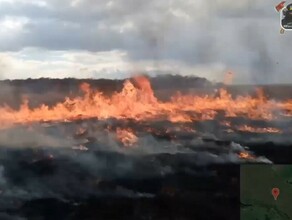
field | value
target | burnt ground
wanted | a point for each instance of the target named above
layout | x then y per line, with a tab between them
180	195
66	190
174	175
48	171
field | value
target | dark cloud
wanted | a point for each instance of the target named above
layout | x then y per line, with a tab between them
204	32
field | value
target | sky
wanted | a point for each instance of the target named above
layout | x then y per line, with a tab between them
114	39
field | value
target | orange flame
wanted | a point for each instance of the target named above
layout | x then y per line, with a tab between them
138	102
245	155
247	128
126	136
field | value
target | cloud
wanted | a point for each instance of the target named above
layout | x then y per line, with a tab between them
242	35
35	63
60	64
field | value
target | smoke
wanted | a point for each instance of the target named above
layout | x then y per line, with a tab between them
182	35
22	137
40	162
77	159
261	68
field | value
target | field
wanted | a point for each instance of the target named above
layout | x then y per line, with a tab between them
168	148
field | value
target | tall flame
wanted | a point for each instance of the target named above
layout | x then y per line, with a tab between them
137	101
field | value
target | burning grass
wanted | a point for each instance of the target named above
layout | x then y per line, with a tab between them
137	101
132	144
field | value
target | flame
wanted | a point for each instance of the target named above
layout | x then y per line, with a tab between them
245	155
137	101
247	128
226	123
146	90
126	136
